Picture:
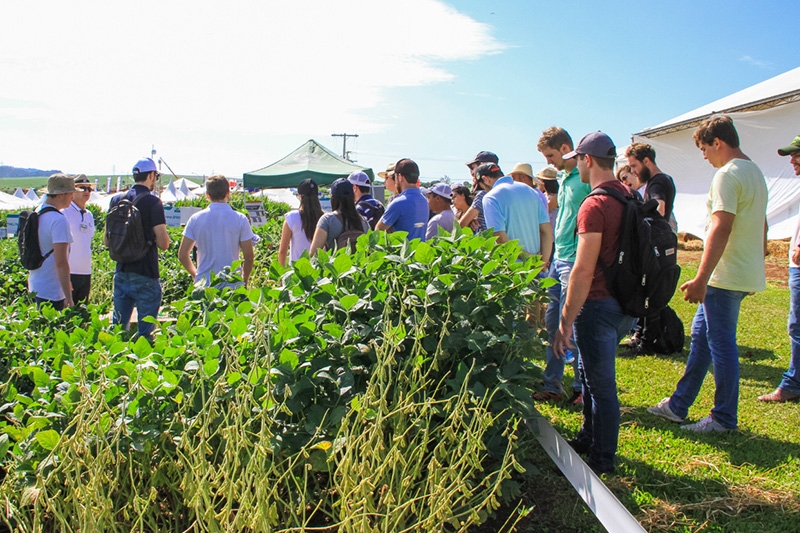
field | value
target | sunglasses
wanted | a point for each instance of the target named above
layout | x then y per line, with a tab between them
85	189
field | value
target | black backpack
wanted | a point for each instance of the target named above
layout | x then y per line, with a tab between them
645	273
374	210
663	333
125	231
30	253
348	237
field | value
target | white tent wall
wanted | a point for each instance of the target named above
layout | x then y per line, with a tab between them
761	133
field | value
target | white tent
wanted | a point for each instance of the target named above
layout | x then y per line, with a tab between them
31	195
170	194
9	202
19	193
189	184
767	117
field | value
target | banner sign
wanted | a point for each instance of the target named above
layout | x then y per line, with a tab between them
256	212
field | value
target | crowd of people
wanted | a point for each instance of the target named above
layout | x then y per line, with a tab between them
550	213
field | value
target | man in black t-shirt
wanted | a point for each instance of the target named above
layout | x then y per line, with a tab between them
137	283
642	160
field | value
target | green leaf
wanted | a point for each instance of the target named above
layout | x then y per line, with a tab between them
290	358
233	378
348	301
210	366
424	253
238	326
48	439
142	348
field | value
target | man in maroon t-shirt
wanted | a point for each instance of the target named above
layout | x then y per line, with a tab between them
599	321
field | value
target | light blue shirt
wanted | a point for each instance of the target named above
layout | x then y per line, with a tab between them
516	209
408	212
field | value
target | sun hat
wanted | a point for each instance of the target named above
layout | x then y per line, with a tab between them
143	166
60	184
307	187
83	181
342	188
792	148
388	173
359	178
484	157
547	173
595	144
523	168
442	189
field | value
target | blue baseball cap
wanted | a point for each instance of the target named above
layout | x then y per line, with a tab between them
342	188
143	166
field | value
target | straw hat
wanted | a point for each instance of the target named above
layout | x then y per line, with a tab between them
547	173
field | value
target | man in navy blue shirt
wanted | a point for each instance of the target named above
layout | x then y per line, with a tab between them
409	211
366	206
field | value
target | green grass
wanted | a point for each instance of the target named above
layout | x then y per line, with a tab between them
745	480
9	185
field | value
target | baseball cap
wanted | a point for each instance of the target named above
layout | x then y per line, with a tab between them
523	168
388	173
60	184
484	157
792	148
342	188
487	168
595	144
441	189
547	173
307	187
358	178
143	166
407	167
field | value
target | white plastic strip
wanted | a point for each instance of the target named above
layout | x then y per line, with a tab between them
602	502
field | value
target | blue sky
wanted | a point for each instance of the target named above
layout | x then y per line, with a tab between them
90	86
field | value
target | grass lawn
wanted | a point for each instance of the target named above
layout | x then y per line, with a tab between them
671	480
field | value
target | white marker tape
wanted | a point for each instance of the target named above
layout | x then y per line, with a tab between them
602	502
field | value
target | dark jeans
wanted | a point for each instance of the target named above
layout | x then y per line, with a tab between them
81	285
57	305
131	290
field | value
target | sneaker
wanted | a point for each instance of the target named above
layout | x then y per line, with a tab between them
547	396
576	398
706	425
663	410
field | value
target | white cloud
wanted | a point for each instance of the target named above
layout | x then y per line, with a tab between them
756	62
104	69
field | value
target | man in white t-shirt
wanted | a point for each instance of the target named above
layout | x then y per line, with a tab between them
220	234
50	282
81	225
439	199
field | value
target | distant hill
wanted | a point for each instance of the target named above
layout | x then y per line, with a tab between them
15	172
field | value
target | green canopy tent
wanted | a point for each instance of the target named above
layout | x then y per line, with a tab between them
312	160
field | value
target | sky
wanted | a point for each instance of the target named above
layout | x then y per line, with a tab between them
91	86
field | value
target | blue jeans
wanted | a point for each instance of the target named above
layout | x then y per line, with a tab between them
599	327
131	289
554	366
713	341
791	378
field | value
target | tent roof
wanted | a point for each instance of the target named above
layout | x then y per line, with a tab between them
781	89
312	160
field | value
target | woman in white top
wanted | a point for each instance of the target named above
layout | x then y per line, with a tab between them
299	224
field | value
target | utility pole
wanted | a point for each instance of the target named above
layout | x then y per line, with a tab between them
344	137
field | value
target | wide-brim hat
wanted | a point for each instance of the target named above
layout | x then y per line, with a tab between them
523	168
81	180
547	173
59	184
389	172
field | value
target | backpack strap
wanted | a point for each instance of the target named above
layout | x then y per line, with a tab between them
49	209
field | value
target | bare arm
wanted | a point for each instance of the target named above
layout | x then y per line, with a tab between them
249	257
546	240
580	281
320	237
468	217
184	256
61	255
718	234
162	237
379	226
283	248
662	207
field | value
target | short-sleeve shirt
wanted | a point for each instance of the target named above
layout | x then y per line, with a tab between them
516	209
53	229
299	242
739	188
571	193
661	187
152	211
217	232
331	223
370	208
446	219
408	212
603	214
81	224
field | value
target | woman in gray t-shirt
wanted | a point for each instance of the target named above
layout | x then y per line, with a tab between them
343	217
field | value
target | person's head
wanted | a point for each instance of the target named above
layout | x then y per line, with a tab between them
360	182
550	186
595	155
310	208
145	173
217	188
462	198
642	160
439	197
793	150
626	176
553	144
488	173
406	174
716	138
83	190
522	173
480	158
547	180
60	190
388	178
343	201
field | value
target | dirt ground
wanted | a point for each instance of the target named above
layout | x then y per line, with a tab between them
776	262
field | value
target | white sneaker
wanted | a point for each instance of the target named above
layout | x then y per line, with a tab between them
663	410
706	425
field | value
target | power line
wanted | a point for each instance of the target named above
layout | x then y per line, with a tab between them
344	137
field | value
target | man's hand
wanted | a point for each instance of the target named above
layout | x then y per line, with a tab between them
796	256
561	341
694	291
